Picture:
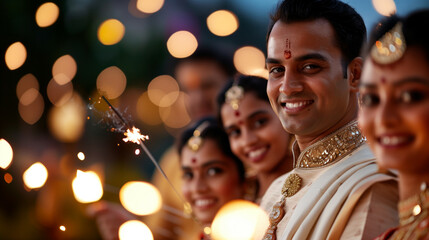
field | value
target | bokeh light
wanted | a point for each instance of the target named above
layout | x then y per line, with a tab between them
149	6
176	116
147	112
182	44
47	14
35	176
62	228
81	156
140	198
163	90
15	55
6	154
59	94
111	82
28	97
27	82
137	151
32	112
133	228
384	7
249	60
222	23
8	178
239	220
111	32
64	69
87	187
67	122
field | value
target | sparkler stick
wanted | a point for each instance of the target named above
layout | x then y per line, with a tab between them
133	135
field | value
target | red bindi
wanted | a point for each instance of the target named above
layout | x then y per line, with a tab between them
237	113
193	160
287	52
383	80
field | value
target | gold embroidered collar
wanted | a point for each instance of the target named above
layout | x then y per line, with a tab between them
331	148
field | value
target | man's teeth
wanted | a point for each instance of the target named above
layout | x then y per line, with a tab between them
204	202
257	153
392	140
295	105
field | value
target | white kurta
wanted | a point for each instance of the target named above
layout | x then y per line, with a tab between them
347	199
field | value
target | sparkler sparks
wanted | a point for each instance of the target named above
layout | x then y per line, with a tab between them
134	136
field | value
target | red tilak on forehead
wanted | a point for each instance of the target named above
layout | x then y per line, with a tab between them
287	53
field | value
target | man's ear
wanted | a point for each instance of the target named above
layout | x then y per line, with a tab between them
354	73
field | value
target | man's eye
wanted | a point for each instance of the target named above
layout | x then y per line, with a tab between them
369	100
276	70
311	68
412	96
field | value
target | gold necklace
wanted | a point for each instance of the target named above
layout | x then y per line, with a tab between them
413	216
290	187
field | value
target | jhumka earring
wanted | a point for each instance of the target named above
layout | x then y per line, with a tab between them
233	97
389	48
195	142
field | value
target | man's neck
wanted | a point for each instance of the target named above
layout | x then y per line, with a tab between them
306	141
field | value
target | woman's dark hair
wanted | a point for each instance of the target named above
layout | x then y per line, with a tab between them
250	84
414	28
213	132
348	25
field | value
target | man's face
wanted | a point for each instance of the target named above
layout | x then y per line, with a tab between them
306	84
201	80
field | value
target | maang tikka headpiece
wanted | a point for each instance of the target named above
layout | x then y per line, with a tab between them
233	96
389	48
195	142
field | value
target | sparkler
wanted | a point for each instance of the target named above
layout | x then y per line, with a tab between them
133	134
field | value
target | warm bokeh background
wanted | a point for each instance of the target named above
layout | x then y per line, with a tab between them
54	58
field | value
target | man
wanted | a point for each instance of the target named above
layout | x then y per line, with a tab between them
335	190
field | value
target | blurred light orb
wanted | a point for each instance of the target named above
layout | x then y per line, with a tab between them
59	94
239	220
384	7
176	115
137	151
149	6
87	187
222	23
47	14
140	198
64	69
111	82
81	156
62	228
35	176
147	112
32	112
6	154
249	60
182	44
8	178
163	90
15	55
67	122
28	97
27	82
111	32
134	229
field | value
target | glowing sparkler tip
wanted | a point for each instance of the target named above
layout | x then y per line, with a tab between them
134	136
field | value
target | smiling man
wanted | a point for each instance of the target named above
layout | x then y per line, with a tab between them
335	190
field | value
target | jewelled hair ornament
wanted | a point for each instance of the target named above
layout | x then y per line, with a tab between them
195	142
233	96
391	47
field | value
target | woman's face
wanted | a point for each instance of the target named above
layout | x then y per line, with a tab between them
256	134
210	179
394	111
